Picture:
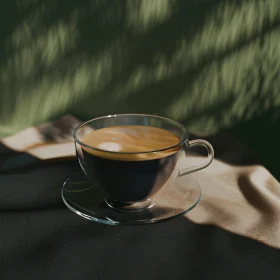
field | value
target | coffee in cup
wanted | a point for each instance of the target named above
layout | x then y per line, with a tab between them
125	164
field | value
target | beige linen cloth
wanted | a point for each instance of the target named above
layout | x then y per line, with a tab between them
243	199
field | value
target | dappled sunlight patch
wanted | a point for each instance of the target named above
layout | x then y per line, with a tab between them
143	15
210	67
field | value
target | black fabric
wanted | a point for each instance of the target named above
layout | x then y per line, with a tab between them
41	239
11	160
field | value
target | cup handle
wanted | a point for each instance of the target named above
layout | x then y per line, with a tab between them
204	163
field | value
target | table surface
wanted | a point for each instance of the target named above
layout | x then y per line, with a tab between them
41	239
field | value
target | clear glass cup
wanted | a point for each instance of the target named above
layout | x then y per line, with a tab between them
133	184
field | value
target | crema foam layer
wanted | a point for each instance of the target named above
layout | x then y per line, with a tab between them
134	139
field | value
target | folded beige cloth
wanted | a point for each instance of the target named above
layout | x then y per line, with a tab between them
243	199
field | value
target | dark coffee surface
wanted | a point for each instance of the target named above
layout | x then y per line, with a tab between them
131	139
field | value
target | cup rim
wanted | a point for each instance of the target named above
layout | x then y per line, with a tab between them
184	139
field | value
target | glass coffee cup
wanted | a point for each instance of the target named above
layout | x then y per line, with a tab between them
139	158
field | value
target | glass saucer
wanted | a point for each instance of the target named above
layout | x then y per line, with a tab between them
177	197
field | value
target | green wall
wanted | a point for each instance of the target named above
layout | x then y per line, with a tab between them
212	64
